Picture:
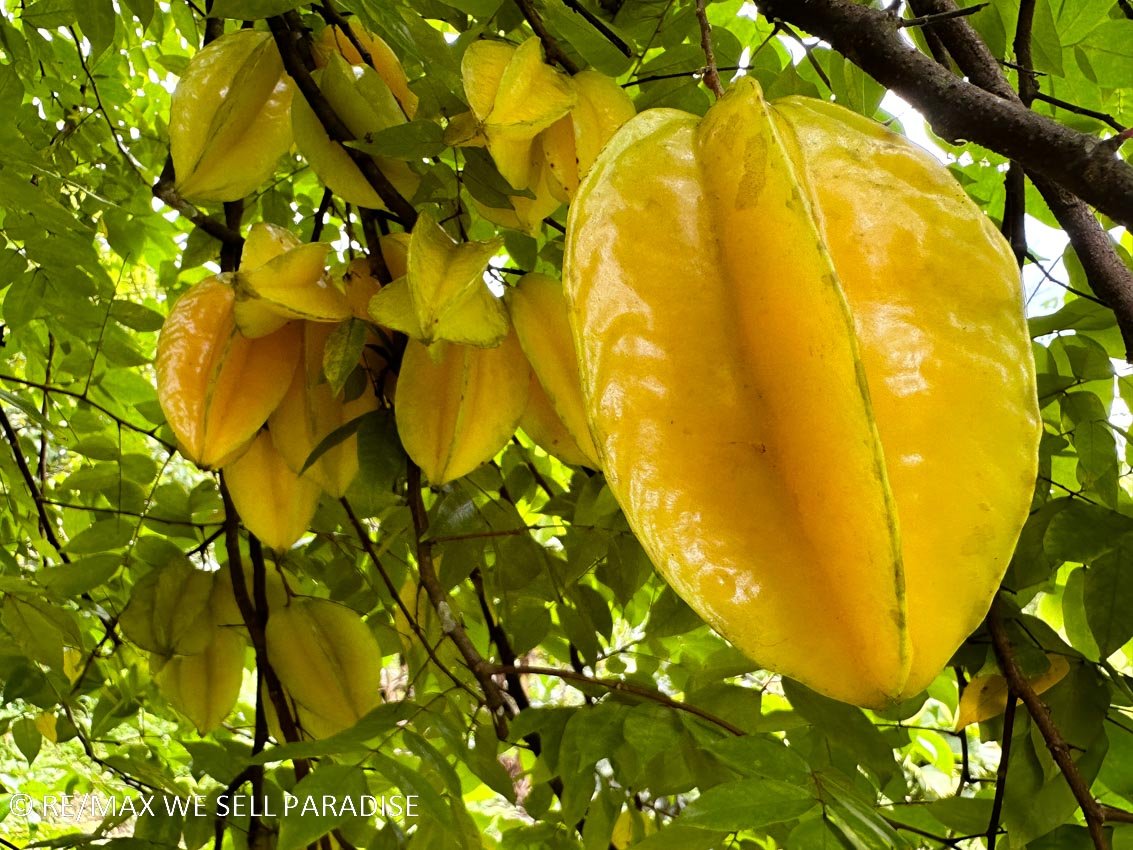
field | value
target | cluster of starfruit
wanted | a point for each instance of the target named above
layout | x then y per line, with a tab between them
236	112
188	620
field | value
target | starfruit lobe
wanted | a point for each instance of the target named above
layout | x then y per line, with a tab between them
538	311
542	424
310	412
458	410
358	281
514	95
361	98
291	285
950	343
791	412
527	213
334	39
205	687
327	659
443	296
169	612
273	502
229	118
572	143
264	243
215	386
222	601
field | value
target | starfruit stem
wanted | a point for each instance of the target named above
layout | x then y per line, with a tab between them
711	72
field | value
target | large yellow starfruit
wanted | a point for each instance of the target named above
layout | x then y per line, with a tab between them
456	411
364	102
809	380
215	386
274	503
291	285
335	40
327	659
229	119
539	313
310	412
204	687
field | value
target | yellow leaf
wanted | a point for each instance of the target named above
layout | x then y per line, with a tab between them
985	697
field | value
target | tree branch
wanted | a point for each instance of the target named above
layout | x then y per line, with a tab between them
166	192
287	40
711	73
1017	683
554	50
961	110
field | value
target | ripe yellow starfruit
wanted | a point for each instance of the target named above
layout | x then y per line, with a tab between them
229	119
514	95
327	659
361	98
443	296
291	285
542	424
215	386
539	313
311	412
572	143
334	40
458	410
815	402
274	503
358	280
204	687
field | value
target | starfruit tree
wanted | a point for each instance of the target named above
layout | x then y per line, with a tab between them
566	424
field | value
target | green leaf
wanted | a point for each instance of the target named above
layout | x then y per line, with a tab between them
27	738
1110	55
412	141
748	804
311	817
1082	532
479	9
49	14
102	536
96	18
342	352
248	10
758	755
1078	18
69	580
1108	598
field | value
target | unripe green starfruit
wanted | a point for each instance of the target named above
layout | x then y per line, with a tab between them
456	411
222	602
816	404
169	611
335	40
443	296
230	117
514	95
204	687
361	98
274	503
217	387
327	659
539	313
310	412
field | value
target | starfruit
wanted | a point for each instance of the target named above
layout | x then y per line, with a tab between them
291	285
222	602
539	313
443	296
215	386
572	143
310	412
542	424
458	410
204	687
358	281
527	212
327	659
514	95
361	98
169	612
335	40
816	402
229	119
274	503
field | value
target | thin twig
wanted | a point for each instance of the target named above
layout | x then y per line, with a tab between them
1018	683
555	53
711	73
930	20
993	827
1104	117
600	25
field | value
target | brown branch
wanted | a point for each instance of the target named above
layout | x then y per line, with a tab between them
960	110
450	625
1104	117
621	686
554	51
291	47
45	521
1017	683
993	828
933	19
711	73
600	25
165	191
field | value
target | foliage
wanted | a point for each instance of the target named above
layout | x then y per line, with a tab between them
634	722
